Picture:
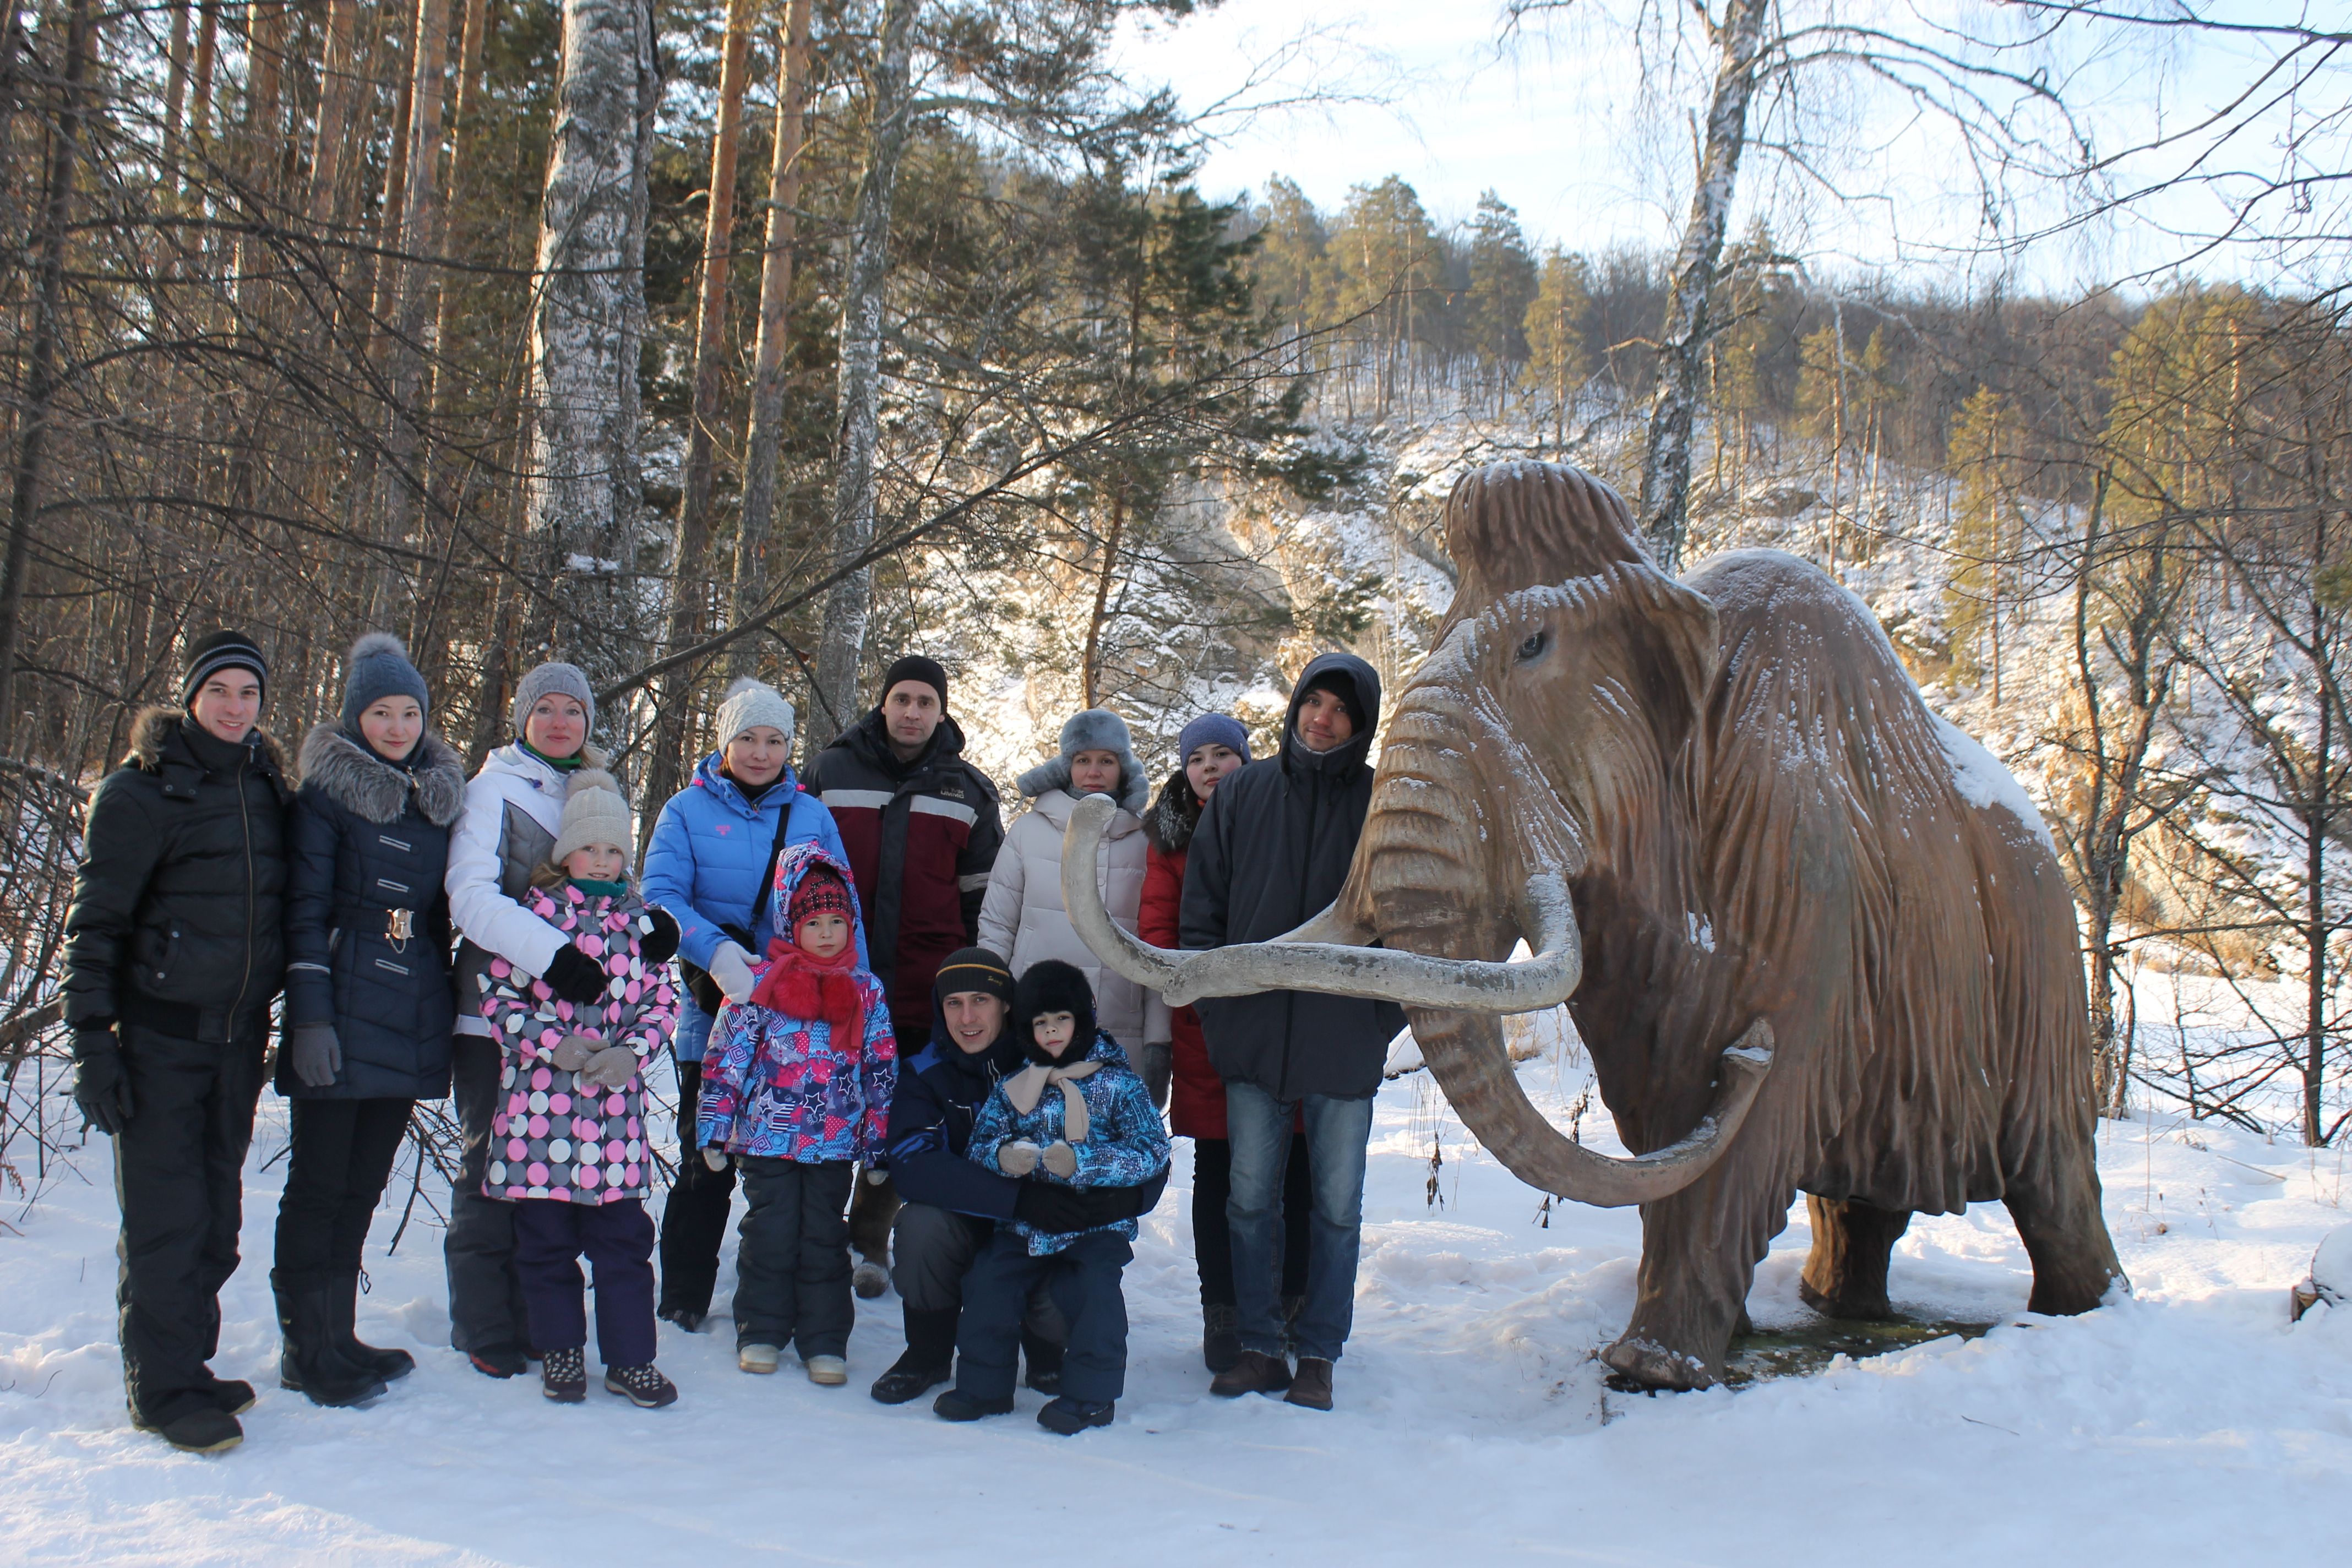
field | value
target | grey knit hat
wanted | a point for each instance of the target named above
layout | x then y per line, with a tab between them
748	705
1093	730
555	675
595	811
380	669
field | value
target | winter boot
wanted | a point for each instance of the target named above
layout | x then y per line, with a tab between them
684	1317
1069	1417
200	1431
1312	1386
1045	1361
1255	1373
643	1386
563	1375
930	1360
386	1364
499	1362
1221	1337
229	1395
760	1359
955	1404
309	1363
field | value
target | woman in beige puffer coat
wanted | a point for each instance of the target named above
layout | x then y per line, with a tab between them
1022	917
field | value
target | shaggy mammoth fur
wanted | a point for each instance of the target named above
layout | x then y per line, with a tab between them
1767	823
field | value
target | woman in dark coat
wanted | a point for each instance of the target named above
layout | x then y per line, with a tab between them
368	1007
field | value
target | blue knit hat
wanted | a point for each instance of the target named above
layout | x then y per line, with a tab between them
1212	729
380	669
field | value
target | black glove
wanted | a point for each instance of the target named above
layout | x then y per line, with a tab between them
658	945
576	977
101	1084
1061	1211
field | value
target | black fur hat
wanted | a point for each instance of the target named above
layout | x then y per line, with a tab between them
1053	986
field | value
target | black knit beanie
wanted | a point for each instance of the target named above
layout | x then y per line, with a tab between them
915	666
216	652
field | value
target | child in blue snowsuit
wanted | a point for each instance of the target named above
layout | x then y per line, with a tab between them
1075	1115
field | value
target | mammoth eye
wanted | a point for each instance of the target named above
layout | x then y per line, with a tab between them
1532	645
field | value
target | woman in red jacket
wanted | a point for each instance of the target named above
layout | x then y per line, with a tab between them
1212	746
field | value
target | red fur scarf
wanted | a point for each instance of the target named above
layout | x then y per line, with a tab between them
821	989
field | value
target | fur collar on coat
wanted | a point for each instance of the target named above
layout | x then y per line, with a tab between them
153	729
1170	823
367	786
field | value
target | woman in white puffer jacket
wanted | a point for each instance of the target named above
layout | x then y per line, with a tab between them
1022	917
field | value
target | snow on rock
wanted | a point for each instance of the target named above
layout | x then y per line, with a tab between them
1983	782
2331	1266
2189	1424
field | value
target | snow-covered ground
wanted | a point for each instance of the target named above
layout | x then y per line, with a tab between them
2190	1425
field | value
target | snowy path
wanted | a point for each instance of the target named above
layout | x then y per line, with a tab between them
2191	1424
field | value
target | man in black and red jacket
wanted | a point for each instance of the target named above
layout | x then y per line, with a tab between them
922	830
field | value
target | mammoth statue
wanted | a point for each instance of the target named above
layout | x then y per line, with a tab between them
1815	939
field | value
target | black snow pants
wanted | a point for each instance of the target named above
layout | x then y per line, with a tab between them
485	1299
179	1176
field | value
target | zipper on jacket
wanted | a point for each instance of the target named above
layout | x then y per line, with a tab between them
245	818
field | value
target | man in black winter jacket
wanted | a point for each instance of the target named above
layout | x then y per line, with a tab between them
1271	851
952	1205
173	953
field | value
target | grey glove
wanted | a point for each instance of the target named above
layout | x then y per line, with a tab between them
1016	1159
1159	1066
731	967
575	1051
611	1068
1060	1159
316	1054
714	1158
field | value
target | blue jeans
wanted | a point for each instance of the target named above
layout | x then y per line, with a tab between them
1337	1133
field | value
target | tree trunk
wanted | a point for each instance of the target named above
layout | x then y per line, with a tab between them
420	236
583	492
851	604
41	376
334	114
462	132
765	440
1682	340
1090	670
686	587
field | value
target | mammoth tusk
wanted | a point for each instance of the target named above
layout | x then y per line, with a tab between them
1480	1083
1325	954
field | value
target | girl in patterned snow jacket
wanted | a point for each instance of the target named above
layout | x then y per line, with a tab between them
796	1086
568	1149
1075	1115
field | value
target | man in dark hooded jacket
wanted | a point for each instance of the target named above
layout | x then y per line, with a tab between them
1271	851
952	1205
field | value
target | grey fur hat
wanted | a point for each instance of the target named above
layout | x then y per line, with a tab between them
553	675
751	703
380	668
595	811
1093	730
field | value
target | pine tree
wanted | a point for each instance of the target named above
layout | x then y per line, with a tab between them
1502	286
1987	527
1557	361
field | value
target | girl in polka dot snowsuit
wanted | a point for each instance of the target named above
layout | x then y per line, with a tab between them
568	1146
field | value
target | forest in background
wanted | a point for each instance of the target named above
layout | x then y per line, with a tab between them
776	335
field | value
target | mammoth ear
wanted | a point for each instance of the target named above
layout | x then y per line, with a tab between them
1680	664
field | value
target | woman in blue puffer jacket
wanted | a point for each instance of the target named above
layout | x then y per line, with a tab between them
710	864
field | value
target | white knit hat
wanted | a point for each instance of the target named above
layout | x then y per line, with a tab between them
595	811
751	703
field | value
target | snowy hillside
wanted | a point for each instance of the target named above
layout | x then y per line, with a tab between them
2192	1423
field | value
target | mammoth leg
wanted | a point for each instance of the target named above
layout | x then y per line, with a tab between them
1845	1277
1699	1251
872	1205
2054	1202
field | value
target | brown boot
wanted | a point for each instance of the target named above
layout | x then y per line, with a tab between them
1312	1386
1256	1373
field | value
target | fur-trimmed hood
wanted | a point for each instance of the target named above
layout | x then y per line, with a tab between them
154	730
1170	822
367	786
